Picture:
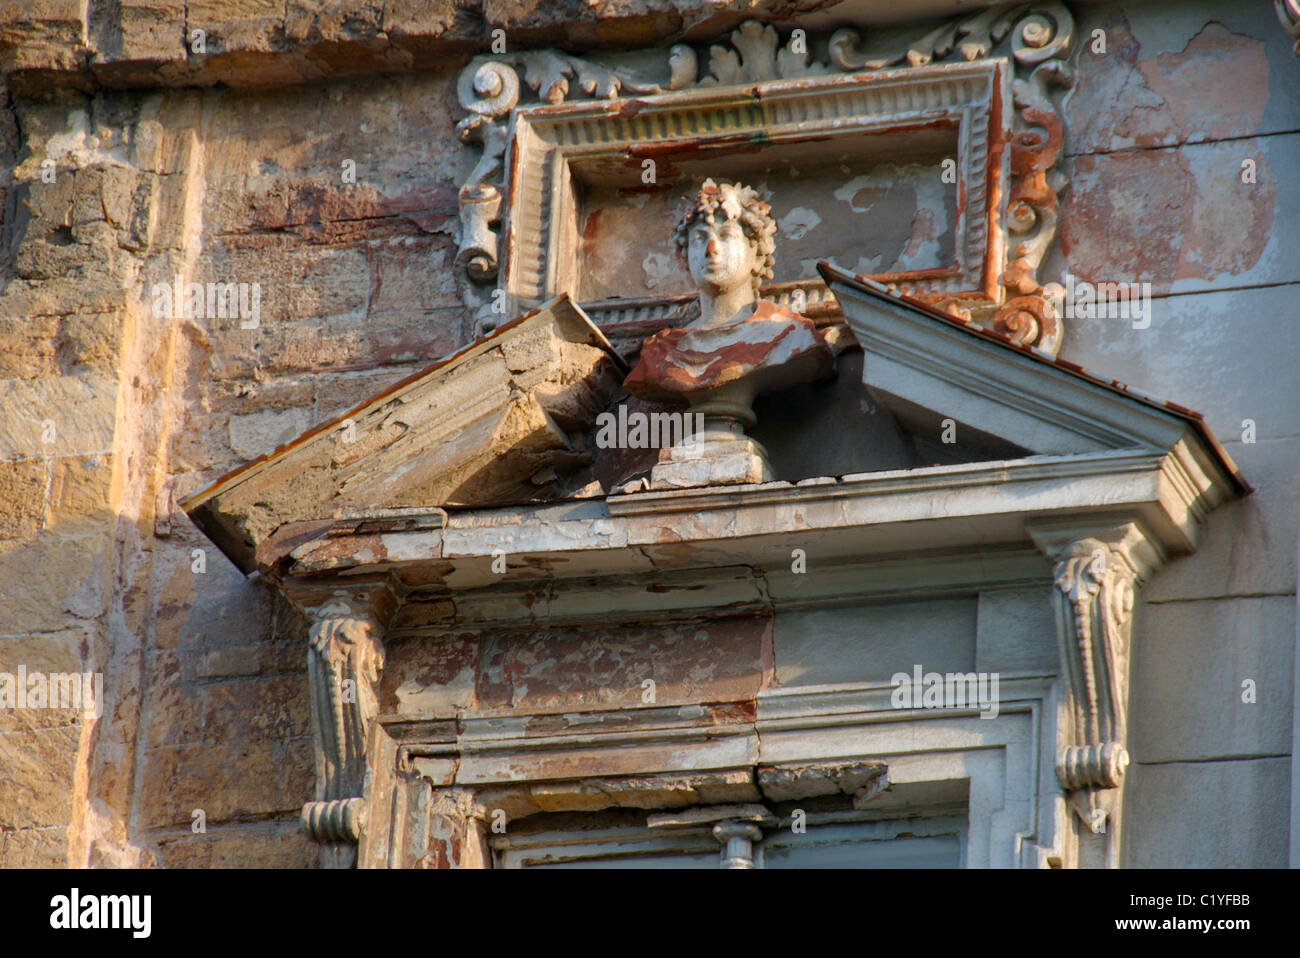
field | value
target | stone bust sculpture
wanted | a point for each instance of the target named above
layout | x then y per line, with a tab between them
727	237
740	347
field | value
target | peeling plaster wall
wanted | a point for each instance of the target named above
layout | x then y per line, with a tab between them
204	674
876	217
1158	128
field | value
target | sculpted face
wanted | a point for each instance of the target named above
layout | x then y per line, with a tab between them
720	256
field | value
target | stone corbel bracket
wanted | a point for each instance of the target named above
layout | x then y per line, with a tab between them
345	658
1096	574
1036	37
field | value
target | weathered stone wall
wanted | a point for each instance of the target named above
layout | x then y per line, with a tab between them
159	174
205	683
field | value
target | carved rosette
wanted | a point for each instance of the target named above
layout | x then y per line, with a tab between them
1095	578
344	659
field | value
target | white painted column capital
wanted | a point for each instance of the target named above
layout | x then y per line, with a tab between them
737	840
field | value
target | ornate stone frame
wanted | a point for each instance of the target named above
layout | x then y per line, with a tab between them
1008	185
541	229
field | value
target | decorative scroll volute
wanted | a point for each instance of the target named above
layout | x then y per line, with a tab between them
1095	602
344	660
1288	14
1095	575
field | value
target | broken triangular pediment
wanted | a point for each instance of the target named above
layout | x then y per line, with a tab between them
929	369
509	419
487	425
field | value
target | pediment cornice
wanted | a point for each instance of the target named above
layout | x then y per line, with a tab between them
918	356
489	423
887	514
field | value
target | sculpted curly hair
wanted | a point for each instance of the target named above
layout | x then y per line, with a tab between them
739	203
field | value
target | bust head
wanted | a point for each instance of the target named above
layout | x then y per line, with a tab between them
726	234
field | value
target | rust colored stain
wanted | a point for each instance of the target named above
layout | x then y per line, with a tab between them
1033	153
345	551
1167	215
867	196
1182	410
767	655
562	669
591	229
1215	87
429	572
313	203
715	714
437	857
670	368
627	108
427	662
510	233
993	191
616	244
1229	104
924	229
405	345
663	152
1231	221
745	710
934	272
1125	215
287	538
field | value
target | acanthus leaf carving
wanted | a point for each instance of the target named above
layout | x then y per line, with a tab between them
971	37
756	54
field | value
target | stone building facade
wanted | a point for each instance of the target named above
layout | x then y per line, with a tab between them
350	607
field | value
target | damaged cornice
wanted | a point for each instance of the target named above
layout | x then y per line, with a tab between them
490	423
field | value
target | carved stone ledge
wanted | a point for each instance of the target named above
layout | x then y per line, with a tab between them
862	781
1096	573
